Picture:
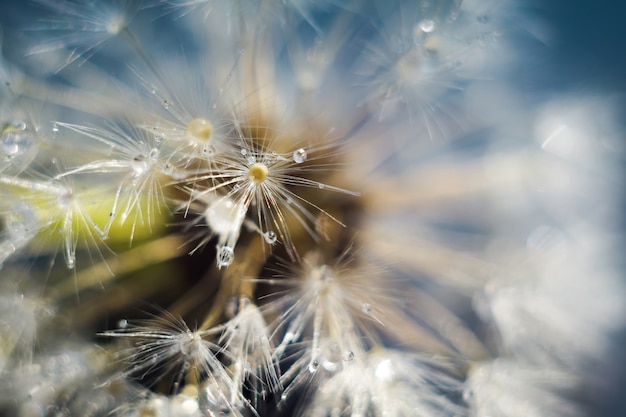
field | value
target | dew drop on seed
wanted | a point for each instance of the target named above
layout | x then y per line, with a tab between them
283	397
122	324
55	131
299	156
139	164
427	25
366	309
244	151
225	256
270	237
468	394
348	356
321	186
313	366
14	142
207	149
154	153
71	261
166	104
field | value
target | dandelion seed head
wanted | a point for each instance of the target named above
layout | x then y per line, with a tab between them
458	285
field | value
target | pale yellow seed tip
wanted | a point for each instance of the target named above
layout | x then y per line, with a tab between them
258	172
200	129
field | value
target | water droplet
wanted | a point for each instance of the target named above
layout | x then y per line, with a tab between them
168	168
71	261
122	324
299	156
225	256
166	104
270	237
313	366
154	153
207	149
55	131
331	359
244	151
366	309
159	138
427	25
348	356
283	397
468	394
140	164
15	142
321	186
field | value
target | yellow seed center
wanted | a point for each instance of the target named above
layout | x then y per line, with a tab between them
258	172
200	129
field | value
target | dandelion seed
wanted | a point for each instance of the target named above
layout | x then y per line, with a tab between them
268	182
66	211
389	383
138	156
81	28
514	389
320	315
168	346
246	339
427	51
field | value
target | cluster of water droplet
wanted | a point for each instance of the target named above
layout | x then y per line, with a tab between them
17	141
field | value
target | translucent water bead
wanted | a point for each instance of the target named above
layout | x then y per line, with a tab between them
224	217
225	256
270	237
142	163
299	156
15	140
